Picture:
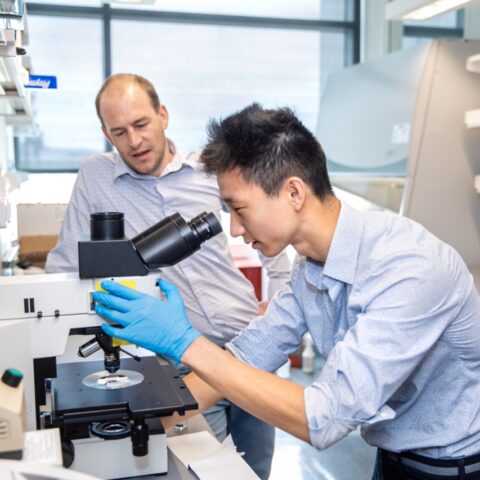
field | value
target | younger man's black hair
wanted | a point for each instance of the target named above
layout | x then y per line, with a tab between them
268	146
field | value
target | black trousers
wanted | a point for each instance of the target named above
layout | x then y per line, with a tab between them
409	466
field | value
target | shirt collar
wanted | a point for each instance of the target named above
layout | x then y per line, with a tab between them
341	262
179	160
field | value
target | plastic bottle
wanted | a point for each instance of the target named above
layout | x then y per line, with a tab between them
308	354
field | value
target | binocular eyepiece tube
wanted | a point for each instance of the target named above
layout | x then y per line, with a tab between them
172	239
109	253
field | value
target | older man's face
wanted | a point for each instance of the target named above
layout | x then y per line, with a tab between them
135	128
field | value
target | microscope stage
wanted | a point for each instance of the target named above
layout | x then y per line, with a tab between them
161	393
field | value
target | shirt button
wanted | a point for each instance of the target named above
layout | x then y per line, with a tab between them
341	332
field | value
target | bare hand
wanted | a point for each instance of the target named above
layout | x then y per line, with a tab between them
262	308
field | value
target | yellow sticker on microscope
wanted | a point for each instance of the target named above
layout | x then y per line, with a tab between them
116	342
127	283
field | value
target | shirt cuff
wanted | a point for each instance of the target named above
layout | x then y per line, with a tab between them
325	424
324	428
254	348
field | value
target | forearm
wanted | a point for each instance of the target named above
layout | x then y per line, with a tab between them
205	396
264	395
163	327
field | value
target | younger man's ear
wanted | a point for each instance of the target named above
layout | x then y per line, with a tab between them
296	190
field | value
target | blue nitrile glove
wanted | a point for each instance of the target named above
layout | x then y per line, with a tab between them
158	325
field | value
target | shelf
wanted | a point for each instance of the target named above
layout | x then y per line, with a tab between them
473	63
472	118
14	98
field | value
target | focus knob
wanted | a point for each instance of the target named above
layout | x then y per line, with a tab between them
12	377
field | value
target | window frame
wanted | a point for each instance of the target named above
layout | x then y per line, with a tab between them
424	31
106	13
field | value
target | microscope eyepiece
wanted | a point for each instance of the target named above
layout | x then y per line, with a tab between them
109	254
106	226
206	225
172	239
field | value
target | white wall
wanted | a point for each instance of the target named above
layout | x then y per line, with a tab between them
472	21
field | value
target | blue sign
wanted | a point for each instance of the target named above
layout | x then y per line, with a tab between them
41	81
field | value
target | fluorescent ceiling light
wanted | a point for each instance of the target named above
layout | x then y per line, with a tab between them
137	2
420	9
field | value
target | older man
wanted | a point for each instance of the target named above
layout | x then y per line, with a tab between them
147	179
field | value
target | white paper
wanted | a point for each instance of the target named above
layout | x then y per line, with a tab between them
193	446
210	459
220	467
43	446
400	133
228	443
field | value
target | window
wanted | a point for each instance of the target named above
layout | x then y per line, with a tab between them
203	71
206	59
305	9
83	3
66	127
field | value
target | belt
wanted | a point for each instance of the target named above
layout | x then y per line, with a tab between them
432	466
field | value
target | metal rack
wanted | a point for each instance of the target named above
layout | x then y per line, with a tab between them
14	98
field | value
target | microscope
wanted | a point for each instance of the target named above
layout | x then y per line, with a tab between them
107	411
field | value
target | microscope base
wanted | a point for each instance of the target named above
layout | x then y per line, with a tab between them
113	459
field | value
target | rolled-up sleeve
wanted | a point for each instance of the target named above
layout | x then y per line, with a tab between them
329	417
268	340
400	323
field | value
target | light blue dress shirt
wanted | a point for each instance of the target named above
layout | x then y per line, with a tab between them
396	315
219	300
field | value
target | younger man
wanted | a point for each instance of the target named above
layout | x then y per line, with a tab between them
391	307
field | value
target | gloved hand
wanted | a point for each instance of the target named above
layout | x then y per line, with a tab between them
158	325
